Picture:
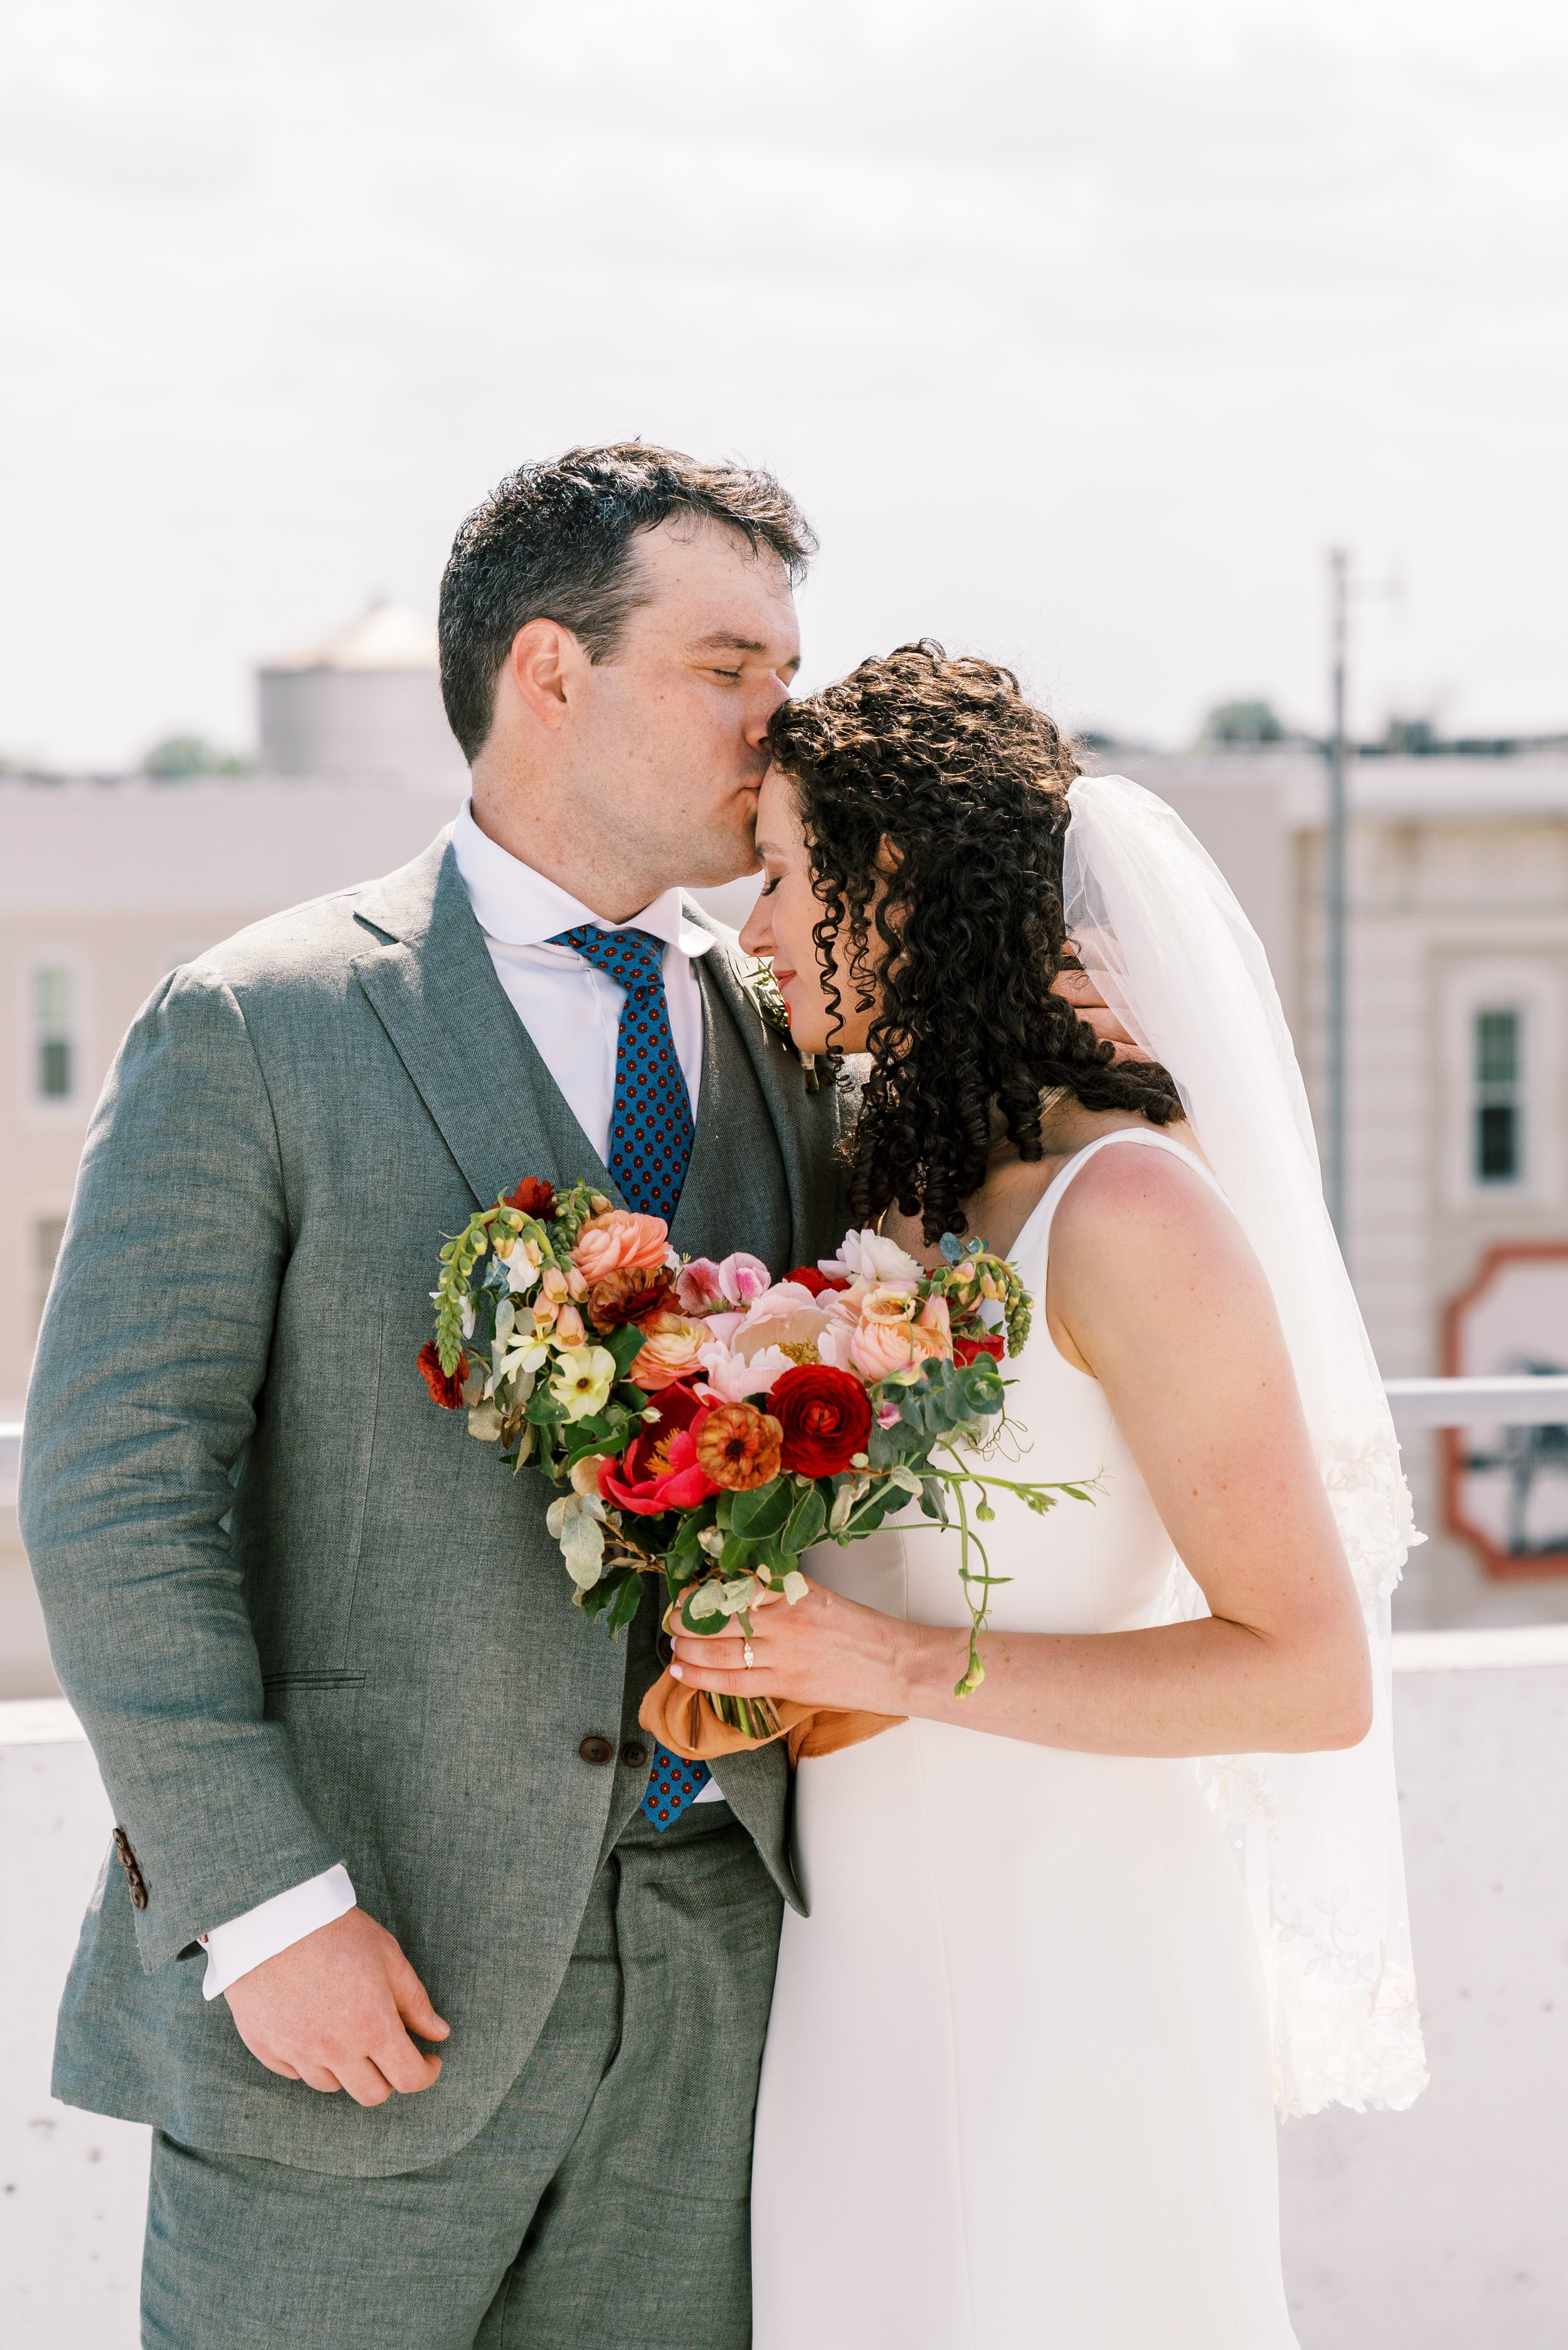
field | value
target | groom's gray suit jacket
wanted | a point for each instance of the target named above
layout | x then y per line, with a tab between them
303	1615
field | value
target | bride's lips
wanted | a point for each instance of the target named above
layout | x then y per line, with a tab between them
781	978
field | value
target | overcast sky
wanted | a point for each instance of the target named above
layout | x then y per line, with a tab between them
1080	332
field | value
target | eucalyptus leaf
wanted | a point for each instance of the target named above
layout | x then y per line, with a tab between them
583	1548
807	1522
763	1512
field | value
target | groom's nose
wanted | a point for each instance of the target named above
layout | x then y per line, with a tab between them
772	689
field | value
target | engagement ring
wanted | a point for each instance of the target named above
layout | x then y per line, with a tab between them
746	1655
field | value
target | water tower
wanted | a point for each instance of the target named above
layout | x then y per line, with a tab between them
363	703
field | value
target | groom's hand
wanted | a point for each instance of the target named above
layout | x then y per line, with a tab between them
331	2010
1080	991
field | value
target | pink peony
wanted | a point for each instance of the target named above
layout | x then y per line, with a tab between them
619	1241
731	1378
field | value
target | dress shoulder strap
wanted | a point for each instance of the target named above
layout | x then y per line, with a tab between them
1036	1231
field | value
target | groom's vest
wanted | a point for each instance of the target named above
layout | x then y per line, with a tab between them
231	1460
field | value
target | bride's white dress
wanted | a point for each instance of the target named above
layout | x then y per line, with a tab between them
1017	2089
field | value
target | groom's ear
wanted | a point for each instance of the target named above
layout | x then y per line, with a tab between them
542	670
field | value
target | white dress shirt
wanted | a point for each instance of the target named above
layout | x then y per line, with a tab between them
572	1012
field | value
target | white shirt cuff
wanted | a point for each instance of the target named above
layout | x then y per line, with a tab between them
259	1934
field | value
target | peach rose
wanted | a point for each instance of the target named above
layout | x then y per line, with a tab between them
879	1347
934	1315
619	1241
670	1354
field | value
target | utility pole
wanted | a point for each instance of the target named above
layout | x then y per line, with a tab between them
1339	597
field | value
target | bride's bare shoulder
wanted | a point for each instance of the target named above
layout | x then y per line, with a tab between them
1132	1210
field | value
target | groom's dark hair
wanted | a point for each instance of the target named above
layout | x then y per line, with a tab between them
552	541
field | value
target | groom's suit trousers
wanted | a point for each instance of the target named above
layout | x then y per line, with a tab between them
602	2207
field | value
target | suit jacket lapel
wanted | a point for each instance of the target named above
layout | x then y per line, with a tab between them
433	987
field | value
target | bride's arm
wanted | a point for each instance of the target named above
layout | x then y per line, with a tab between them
1152	1288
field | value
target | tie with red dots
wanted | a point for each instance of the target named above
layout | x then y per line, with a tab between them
650	1125
651	1138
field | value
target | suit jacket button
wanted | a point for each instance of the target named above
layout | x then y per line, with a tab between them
633	1755
597	1750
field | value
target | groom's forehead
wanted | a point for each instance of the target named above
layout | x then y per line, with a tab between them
712	590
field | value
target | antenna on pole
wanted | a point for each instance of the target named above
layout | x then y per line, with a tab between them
1339	599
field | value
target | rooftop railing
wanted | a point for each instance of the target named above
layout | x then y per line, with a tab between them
1523	1400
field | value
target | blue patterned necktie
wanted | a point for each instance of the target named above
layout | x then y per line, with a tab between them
650	1137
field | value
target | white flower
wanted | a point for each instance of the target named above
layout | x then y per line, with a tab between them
866	1255
521	1272
583	1381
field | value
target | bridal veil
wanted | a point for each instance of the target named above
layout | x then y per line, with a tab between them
1160	930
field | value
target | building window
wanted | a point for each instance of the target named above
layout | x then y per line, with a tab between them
1499	1064
48	1231
55	1056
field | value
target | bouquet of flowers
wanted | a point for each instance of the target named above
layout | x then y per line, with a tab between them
710	1423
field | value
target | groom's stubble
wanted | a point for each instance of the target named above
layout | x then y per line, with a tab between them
623	777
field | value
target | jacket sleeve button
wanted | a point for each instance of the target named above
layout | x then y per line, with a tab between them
634	1756
597	1750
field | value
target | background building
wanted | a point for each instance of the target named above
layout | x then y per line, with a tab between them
108	882
1457	1229
1456	1108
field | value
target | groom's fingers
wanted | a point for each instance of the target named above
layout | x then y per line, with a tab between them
413	2002
1076	988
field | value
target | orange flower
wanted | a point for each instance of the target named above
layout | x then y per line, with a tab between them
618	1241
738	1446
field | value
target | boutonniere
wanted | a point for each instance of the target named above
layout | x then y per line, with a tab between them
757	978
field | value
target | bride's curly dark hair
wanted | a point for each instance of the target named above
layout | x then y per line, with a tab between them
934	798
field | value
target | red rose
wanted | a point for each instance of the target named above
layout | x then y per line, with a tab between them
659	1470
992	1344
447	1391
826	1415
809	1278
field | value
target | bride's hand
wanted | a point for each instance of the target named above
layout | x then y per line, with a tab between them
822	1650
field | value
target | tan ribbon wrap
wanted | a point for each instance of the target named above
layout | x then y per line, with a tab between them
681	1720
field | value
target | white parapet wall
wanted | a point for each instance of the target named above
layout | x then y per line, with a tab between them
1440	2228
